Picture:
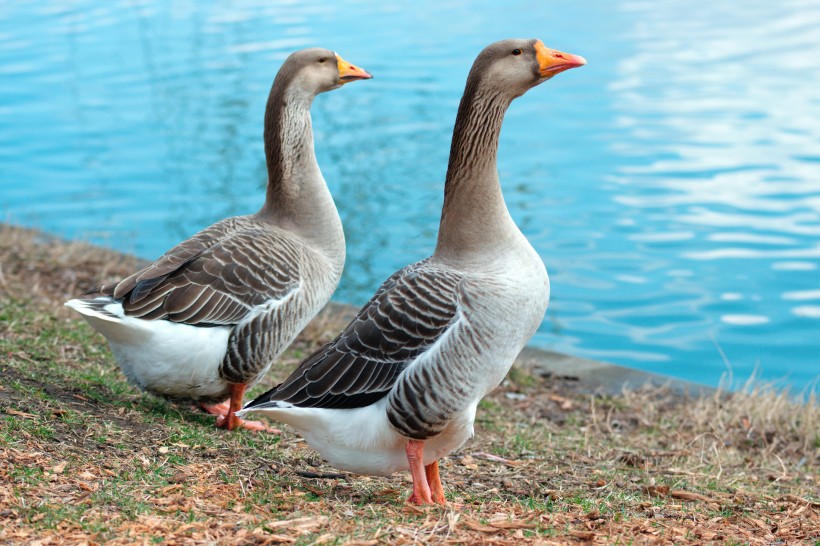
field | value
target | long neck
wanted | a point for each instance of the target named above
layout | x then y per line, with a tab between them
297	197
288	145
474	217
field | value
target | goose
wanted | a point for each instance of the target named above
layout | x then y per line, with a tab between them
205	321
398	388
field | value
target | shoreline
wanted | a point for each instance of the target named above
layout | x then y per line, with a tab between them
591	375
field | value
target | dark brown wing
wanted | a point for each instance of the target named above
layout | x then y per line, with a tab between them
406	316
215	277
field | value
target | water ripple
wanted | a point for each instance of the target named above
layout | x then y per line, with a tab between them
672	186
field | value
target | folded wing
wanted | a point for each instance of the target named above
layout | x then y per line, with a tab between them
405	318
217	277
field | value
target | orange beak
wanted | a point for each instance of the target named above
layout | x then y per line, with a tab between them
349	72
551	62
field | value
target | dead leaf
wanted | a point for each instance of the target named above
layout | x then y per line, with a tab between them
323	539
798	500
630	458
656	490
511	525
59	467
468	462
758	523
278	539
595	514
563	403
21	414
480	527
303	525
179	477
495	458
689	496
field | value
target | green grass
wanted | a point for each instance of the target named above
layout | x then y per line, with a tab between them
574	465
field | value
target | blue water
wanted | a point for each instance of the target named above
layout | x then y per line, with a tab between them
672	186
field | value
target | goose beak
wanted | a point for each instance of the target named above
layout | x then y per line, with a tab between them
349	72
551	62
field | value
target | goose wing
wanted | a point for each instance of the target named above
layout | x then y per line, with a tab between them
409	313
217	277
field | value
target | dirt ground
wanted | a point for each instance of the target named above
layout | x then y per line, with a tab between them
85	458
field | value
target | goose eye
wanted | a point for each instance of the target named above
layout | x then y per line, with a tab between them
322	60
516	51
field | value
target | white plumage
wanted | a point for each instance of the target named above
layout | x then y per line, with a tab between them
176	360
361	440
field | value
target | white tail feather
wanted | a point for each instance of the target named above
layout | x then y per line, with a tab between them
97	307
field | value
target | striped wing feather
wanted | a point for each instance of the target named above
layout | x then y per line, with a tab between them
407	315
214	278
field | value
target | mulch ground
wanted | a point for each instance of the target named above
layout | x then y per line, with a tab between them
87	459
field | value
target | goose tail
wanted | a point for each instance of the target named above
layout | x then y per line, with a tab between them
102	308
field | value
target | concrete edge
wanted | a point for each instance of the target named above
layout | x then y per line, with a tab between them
602	377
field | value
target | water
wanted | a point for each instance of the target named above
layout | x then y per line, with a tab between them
672	186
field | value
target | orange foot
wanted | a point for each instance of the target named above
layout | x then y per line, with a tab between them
221	411
222	421
226	413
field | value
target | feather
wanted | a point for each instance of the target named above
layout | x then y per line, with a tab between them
363	363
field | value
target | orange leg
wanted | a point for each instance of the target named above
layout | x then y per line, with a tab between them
421	490
226	412
434	481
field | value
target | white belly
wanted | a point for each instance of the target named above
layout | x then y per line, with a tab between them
176	361
361	440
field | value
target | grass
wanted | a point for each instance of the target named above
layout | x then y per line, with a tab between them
86	458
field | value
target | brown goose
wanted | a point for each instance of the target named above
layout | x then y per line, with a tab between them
398	389
207	319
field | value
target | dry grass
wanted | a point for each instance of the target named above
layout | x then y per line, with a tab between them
85	458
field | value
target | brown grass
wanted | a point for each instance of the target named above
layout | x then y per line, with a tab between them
88	459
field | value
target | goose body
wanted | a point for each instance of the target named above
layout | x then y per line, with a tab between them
206	320
399	387
192	333
446	338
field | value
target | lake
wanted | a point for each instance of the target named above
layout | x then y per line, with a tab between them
671	186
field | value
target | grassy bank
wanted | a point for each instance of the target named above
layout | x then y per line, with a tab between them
86	458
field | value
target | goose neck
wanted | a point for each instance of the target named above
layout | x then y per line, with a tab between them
474	217
289	152
297	197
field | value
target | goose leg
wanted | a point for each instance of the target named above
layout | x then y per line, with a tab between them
421	489
226	412
434	481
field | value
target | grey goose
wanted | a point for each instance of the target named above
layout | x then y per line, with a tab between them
399	387
206	320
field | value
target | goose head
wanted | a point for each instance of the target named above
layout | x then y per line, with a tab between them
317	70
514	66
